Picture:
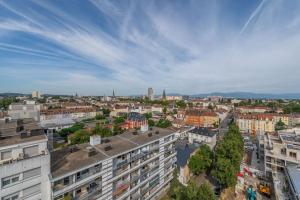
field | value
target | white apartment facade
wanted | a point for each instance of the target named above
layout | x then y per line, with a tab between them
24	168
279	150
25	110
128	166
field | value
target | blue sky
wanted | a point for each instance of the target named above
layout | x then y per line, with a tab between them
92	47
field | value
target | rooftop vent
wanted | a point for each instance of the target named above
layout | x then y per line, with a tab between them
134	132
107	148
91	151
150	134
74	149
106	140
150	128
156	132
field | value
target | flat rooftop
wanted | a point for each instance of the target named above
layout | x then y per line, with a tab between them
67	159
18	139
203	131
294	178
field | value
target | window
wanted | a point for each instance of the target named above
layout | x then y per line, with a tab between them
293	154
14	196
5	155
10	180
32	173
32	190
31	151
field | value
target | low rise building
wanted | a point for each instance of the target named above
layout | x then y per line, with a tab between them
203	135
27	109
201	118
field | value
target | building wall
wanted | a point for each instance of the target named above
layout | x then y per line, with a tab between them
39	182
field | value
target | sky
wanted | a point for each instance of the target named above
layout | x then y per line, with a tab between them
184	46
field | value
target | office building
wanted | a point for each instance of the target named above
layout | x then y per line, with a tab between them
133	165
150	94
36	94
24	161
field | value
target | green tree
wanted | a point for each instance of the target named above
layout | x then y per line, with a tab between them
148	115
205	192
151	122
165	110
225	172
280	125
163	123
119	120
201	161
79	137
181	104
99	117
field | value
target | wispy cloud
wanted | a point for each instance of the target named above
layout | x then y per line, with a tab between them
184	46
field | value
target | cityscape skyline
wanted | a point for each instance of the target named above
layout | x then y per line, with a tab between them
92	46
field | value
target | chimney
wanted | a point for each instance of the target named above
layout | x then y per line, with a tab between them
95	140
144	128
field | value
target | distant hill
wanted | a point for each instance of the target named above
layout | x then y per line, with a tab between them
10	94
247	95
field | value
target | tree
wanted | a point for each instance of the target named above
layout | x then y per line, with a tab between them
151	122
201	161
280	125
181	104
210	106
205	192
79	137
225	172
119	120
163	123
165	110
106	112
99	117
66	131
148	115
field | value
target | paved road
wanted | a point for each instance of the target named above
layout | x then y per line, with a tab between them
223	127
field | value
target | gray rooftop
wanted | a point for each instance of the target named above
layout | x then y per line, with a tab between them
294	178
63	161
203	131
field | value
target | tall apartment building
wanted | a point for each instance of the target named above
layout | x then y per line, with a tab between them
279	150
28	109
150	94
36	94
133	165
24	162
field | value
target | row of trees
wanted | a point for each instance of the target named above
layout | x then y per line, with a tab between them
228	156
201	161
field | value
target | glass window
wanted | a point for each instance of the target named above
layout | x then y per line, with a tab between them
32	190
31	151
31	173
5	155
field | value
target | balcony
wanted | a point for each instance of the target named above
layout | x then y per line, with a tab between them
93	191
121	187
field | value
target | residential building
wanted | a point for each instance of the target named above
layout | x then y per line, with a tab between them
36	94
202	135
27	109
255	123
133	165
150	94
252	109
279	150
184	152
24	161
202	118
72	113
135	120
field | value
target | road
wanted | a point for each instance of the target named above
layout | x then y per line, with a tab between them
223	127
